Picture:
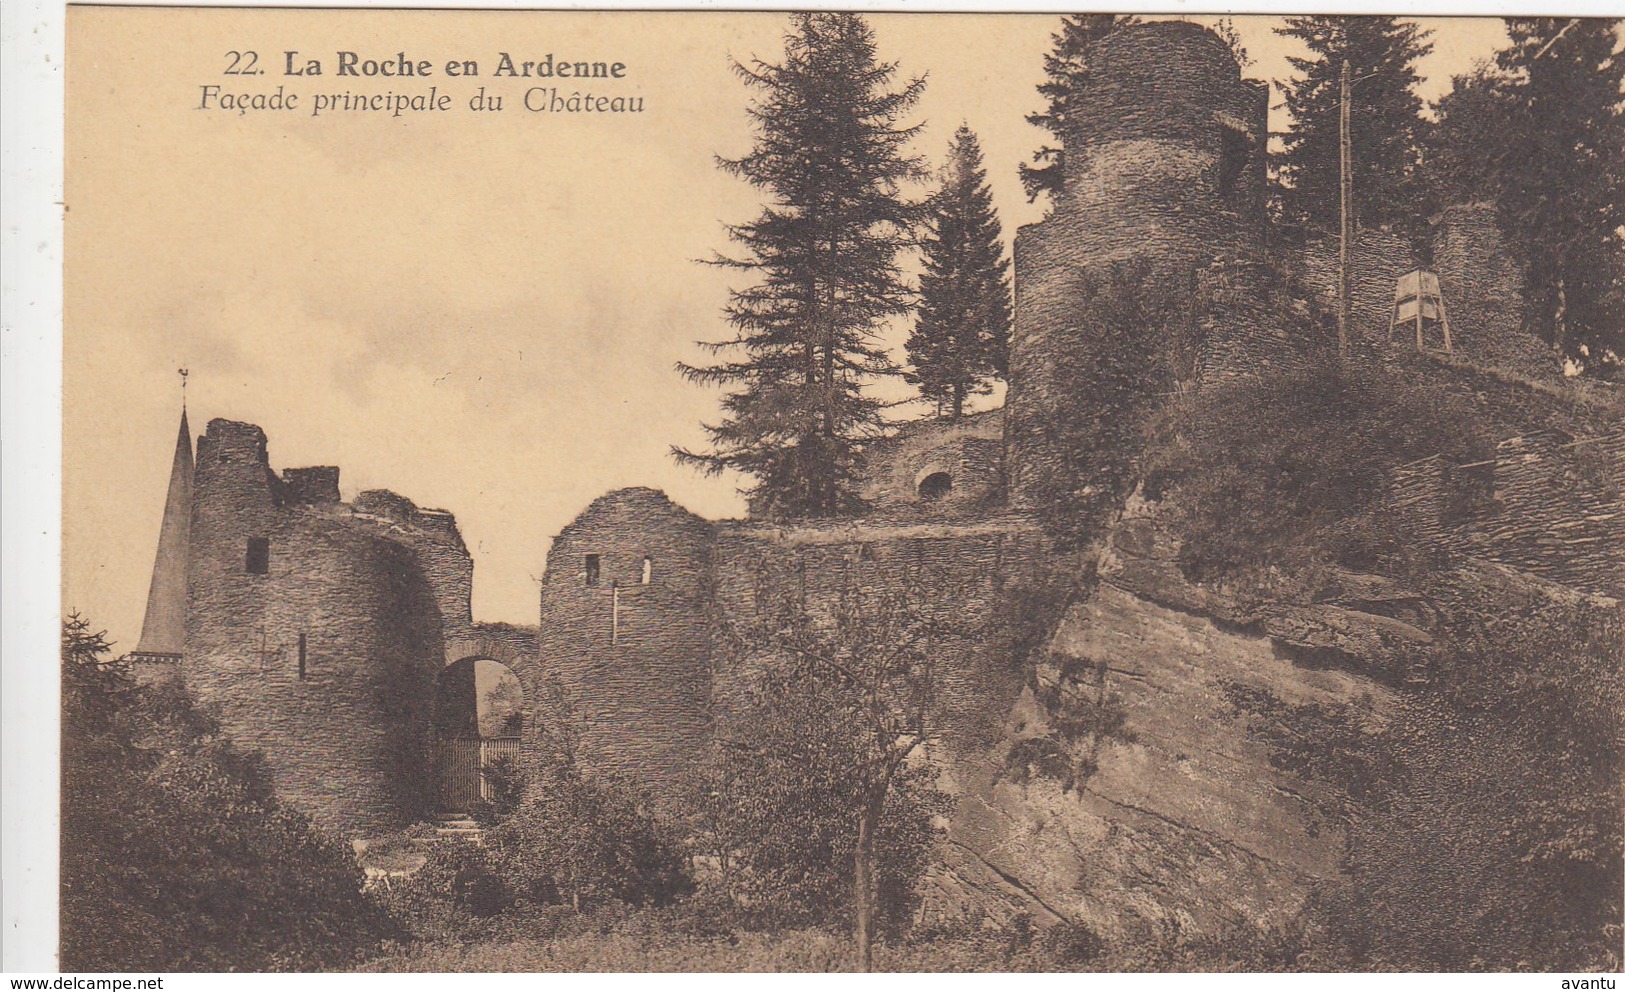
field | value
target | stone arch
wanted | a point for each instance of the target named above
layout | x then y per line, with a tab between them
527	667
934	483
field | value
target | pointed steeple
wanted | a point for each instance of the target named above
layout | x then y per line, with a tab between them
164	631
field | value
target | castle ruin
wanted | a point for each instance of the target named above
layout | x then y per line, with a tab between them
325	631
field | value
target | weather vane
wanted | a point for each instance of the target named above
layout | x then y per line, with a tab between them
184	373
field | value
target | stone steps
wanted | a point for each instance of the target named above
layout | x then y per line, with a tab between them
453	825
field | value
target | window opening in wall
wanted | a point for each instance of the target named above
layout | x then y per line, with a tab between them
1234	151
301	657
935	486
648	570
259	555
593	570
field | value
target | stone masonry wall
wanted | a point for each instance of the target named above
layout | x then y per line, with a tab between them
1480	283
968	451
348	741
1544	504
639	684
1376	261
955	573
1164	165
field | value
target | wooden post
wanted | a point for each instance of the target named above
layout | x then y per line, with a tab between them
1345	209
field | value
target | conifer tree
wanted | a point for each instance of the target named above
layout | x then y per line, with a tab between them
1463	149
961	340
1384	118
830	160
1562	182
1066	74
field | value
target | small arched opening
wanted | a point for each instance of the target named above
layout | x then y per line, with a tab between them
935	486
479	721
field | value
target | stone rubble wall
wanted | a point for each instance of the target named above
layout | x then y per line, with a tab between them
1376	261
969	451
1480	281
639	689
1544	504
349	742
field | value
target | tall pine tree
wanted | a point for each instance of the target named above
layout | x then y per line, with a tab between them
1066	75
1562	182
1384	120
1464	148
961	340
830	159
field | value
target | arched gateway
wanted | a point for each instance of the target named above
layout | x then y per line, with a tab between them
484	712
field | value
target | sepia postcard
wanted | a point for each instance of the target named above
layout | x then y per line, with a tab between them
750	491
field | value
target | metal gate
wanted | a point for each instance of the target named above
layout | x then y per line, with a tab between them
461	766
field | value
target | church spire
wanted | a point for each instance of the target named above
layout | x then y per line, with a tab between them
163	634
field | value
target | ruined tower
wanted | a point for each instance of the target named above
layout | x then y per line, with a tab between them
1164	165
625	607
318	628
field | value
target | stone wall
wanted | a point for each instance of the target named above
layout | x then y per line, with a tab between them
1251	323
1544	504
964	577
1164	165
969	452
1480	281
1165	156
325	660
1376	261
1477	277
633	657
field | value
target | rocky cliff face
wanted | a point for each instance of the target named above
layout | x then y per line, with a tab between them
1174	815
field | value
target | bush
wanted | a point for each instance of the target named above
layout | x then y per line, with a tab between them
175	854
587	841
1288	472
506	782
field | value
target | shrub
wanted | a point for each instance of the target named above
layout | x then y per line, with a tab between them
506	781
586	841
175	854
1286	472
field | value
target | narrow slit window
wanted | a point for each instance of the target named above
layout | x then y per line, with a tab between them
648	570
259	555
593	570
301	657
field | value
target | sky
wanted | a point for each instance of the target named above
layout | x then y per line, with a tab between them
480	311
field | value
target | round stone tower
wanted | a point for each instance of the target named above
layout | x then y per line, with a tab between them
625	627
1163	165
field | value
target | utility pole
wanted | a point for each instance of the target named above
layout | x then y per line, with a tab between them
1346	209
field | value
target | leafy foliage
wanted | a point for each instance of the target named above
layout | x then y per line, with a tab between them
175	854
585	841
817	806
1384	120
1066	77
830	158
506	781
961	339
